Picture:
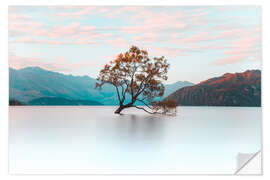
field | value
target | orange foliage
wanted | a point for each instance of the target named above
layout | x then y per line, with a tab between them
165	106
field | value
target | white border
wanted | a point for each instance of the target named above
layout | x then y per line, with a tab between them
4	83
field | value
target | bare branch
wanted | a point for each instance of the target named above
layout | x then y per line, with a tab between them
118	94
145	104
145	110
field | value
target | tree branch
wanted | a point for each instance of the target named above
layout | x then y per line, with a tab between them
141	87
117	93
122	90
144	110
145	104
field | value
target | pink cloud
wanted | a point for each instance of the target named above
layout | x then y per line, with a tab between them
147	26
134	29
150	21
23	27
198	21
247	42
153	32
201	13
58	64
240	50
229	33
72	33
168	52
147	37
25	39
245	46
198	17
195	37
18	17
59	31
230	60
85	41
30	40
19	23
61	59
109	58
223	27
77	12
122	10
117	42
18	62
40	32
89	28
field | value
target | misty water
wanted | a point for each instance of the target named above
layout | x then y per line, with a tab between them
85	139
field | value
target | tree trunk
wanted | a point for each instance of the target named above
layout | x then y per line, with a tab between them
119	109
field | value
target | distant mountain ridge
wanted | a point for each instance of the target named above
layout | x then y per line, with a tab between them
30	83
170	88
238	89
33	82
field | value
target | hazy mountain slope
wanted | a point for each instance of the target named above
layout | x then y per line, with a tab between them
33	82
170	88
238	89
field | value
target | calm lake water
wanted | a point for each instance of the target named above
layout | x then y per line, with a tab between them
86	139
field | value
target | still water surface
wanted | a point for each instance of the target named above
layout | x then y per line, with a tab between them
86	139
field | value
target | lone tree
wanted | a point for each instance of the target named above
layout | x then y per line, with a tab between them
137	78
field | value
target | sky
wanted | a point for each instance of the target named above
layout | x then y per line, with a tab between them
200	42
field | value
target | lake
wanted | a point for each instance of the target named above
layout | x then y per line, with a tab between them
87	139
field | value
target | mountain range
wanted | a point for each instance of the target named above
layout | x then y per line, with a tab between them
238	89
37	86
